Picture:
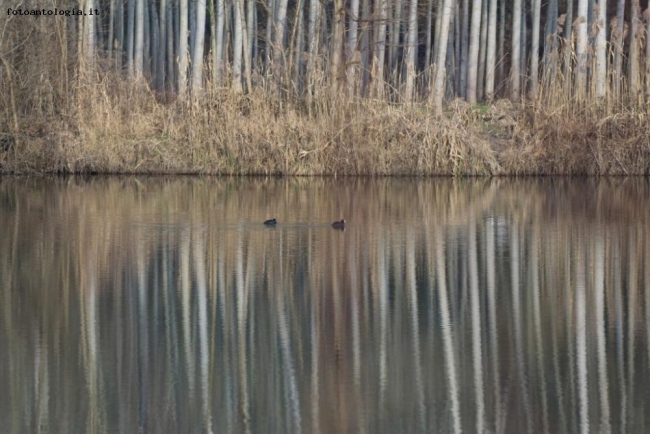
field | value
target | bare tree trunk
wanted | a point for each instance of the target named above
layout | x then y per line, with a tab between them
154	41
601	49
617	38
237	45
119	36
251	32
472	67
351	48
90	33
182	50
439	82
312	43
550	45
633	62
482	48
411	49
130	33
394	36
219	24
647	54
523	68
380	50
581	48
268	43
365	46
171	77
111	29
457	41
450	62
139	39
162	45
278	38
491	50
464	48
148	34
427	47
337	43
501	47
197	55
175	20
298	46
534	52
436	30
515	79
192	26
568	47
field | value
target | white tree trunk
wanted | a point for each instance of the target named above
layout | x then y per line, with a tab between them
617	38
298	46
162	45
182	50
482	48
501	43
111	29
353	38
394	36
217	59
633	62
411	50
472	65
581	48
197	55
250	29
139	38
237	45
130	36
491	50
192	25
515	79
151	42
90	32
380	50
337	44
148	35
171	77
119	35
312	42
365	46
534	51
464	49
439	81
278	37
647	54
427	47
601	49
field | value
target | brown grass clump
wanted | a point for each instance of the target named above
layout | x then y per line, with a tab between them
548	142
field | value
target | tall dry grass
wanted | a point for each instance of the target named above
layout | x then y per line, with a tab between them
121	127
563	132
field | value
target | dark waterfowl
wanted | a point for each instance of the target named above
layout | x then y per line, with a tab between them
271	222
339	225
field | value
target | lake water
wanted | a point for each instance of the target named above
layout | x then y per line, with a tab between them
165	305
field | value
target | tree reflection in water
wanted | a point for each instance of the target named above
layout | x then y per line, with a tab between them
446	305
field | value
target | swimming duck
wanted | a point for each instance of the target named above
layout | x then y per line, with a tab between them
339	225
271	222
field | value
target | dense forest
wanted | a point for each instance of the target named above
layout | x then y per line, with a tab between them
572	55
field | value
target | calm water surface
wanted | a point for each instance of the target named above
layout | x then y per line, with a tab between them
165	306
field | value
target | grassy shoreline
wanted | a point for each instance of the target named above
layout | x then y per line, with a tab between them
125	129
